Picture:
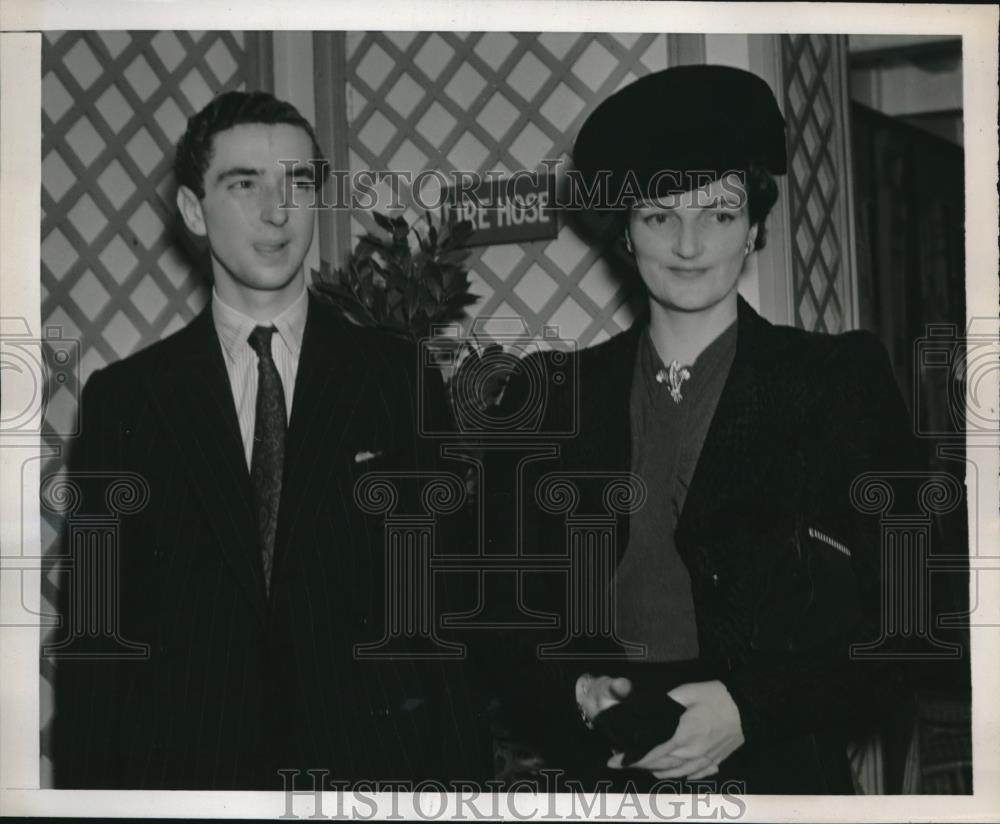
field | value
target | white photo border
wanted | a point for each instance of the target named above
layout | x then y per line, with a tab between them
20	185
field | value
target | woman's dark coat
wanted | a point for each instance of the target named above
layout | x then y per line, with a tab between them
800	417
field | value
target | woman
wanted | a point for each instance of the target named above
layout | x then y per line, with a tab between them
745	576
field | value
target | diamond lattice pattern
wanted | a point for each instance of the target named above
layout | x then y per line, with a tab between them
113	106
813	182
497	101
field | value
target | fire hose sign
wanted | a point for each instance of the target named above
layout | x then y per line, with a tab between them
505	210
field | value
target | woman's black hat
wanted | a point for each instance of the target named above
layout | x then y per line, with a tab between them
680	128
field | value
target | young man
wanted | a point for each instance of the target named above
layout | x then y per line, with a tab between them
249	570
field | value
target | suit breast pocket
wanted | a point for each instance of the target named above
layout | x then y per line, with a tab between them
367	459
357	468
366	446
809	594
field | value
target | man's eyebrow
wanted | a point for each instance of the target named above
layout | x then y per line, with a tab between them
306	171
299	170
237	171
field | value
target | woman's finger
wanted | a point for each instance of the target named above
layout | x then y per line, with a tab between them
620	688
654	758
705	773
689	767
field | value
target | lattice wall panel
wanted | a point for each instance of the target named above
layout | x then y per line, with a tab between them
501	101
113	106
817	182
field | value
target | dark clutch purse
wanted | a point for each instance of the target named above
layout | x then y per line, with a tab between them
646	718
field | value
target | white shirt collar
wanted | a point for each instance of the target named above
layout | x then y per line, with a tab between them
233	327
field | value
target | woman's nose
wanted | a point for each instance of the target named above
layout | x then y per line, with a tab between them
687	241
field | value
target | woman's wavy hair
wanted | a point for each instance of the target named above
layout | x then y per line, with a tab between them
762	194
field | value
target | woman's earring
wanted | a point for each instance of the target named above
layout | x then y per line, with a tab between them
749	247
628	243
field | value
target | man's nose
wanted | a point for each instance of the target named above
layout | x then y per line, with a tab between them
273	209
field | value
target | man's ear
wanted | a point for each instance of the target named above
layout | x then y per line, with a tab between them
189	205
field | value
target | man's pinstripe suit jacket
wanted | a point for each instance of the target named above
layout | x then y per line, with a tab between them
238	685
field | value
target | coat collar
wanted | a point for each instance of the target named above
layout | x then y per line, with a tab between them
195	402
742	425
732	436
333	369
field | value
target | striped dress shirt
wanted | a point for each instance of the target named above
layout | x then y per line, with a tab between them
233	328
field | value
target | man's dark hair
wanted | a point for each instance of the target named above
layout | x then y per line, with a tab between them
194	150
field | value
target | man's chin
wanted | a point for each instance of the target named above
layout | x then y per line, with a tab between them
260	284
274	279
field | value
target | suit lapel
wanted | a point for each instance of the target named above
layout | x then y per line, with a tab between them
740	424
605	421
328	392
195	401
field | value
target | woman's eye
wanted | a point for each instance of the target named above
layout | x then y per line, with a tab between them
724	217
658	218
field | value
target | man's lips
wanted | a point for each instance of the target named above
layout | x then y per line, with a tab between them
270	248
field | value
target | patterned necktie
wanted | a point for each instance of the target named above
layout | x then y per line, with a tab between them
268	457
